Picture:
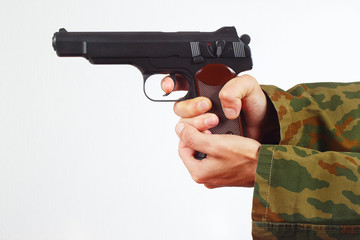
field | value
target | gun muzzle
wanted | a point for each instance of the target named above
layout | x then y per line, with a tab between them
54	41
70	45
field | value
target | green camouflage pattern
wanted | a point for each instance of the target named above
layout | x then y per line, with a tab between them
308	186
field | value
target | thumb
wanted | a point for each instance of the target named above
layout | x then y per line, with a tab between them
194	139
236	93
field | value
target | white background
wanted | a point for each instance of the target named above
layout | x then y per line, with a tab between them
83	153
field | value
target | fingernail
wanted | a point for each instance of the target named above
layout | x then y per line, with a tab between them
230	113
179	127
211	121
203	105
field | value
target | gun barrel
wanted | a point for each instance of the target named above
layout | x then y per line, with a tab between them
149	44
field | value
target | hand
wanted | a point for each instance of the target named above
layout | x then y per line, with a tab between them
231	160
242	93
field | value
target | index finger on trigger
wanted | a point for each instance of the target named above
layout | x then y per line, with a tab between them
168	85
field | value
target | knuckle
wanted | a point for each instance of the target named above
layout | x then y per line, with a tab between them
247	77
209	186
251	81
198	178
197	123
196	175
184	108
189	109
224	94
176	108
199	175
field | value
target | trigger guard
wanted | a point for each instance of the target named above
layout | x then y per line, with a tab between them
173	77
191	92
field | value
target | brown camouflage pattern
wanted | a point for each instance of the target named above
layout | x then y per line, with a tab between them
308	186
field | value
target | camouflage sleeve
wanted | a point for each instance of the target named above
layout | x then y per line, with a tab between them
308	186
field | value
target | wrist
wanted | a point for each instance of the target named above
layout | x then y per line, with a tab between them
252	163
270	125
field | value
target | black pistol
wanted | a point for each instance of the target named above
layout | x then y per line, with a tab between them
207	60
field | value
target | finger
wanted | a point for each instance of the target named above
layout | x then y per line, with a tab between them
192	165
167	84
202	122
196	140
192	107
207	132
234	91
187	154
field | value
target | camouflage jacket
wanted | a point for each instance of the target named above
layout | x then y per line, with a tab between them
308	186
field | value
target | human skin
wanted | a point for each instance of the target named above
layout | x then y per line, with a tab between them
231	160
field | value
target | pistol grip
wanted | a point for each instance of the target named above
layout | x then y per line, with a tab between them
225	125
209	81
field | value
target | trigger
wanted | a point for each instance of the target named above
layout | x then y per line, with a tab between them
173	77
